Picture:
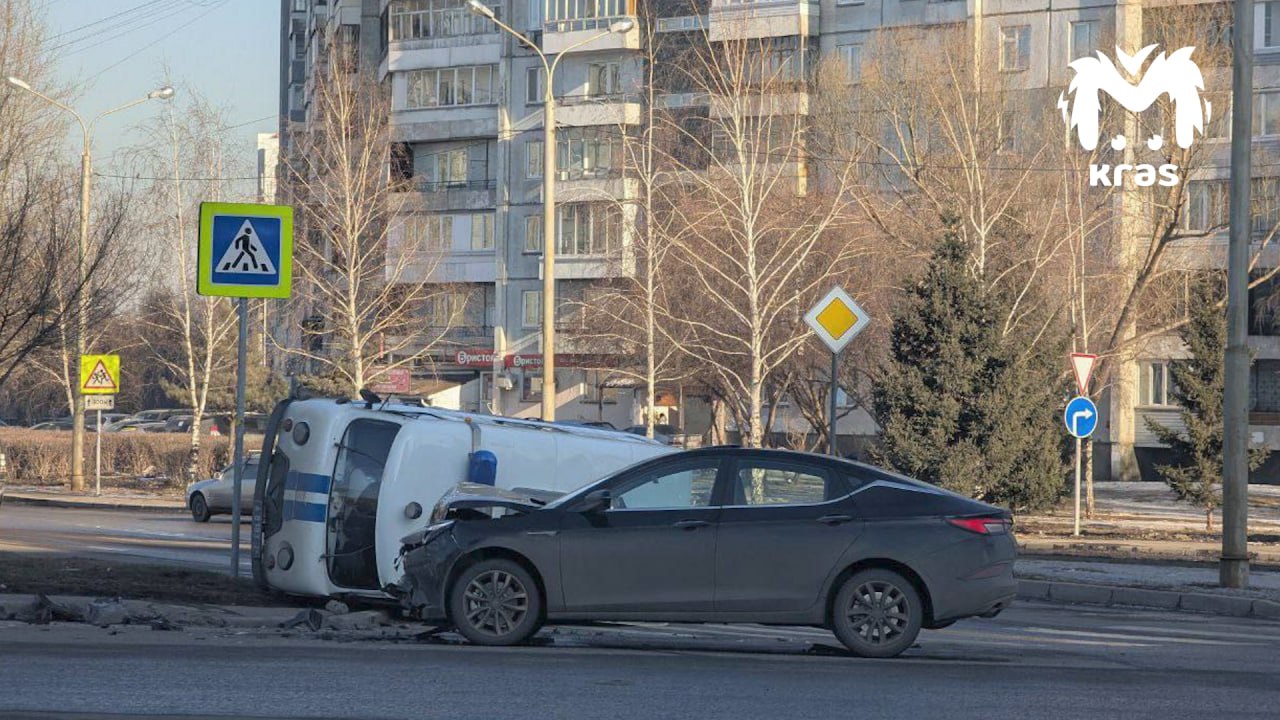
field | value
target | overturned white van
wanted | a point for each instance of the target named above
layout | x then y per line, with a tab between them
341	482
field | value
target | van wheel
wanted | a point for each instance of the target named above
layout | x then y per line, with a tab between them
877	613
199	508
495	602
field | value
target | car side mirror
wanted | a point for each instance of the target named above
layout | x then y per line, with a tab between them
597	501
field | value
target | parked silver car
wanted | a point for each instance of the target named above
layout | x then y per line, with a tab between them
213	496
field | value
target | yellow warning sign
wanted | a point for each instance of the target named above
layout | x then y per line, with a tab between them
99	374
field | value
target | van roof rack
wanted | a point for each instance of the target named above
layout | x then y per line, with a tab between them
481	418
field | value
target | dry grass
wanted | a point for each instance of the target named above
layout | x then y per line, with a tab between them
132	460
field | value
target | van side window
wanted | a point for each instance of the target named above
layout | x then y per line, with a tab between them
353	502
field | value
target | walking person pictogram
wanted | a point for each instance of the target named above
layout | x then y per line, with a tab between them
246	254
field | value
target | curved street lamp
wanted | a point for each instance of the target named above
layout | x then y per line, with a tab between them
86	173
548	193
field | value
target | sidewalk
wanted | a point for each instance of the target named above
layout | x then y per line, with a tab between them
109	500
1168	587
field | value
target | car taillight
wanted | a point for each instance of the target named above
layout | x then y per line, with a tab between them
983	525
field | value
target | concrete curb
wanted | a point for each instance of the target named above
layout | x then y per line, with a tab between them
20	498
1118	596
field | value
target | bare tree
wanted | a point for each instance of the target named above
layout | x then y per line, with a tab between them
188	155
761	230
369	270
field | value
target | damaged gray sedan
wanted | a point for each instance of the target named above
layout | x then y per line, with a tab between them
716	535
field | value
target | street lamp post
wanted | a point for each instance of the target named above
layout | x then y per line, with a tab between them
86	175
548	195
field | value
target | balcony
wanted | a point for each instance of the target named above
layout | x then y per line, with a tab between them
741	19
574	21
422	196
587	110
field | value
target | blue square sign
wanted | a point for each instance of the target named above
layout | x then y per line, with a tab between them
245	250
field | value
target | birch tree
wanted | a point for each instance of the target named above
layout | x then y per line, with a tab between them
761	231
187	156
369	267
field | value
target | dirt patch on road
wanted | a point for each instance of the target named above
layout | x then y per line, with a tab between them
63	575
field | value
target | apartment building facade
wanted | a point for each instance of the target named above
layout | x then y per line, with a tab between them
467	117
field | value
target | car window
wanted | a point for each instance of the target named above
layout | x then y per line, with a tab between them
764	482
688	485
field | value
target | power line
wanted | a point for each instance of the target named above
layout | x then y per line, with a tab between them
170	178
162	37
113	16
120	27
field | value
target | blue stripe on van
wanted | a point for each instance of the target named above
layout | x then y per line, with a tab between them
304	511
307	482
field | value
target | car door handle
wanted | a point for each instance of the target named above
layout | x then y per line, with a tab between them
691	524
834	519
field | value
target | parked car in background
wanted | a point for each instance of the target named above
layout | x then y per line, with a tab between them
599	424
213	496
91	419
132	424
663	433
158	414
720	534
59	424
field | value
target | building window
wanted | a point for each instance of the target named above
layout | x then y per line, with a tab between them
535	15
446	309
446	168
581	156
419	19
1155	384
445	232
1266	113
449	87
533	233
1270	24
348	48
533	159
533	77
531	308
588	228
592	14
851	59
1008	132
595	391
1208	206
482	231
1015	48
531	388
603	79
299	5
1084	38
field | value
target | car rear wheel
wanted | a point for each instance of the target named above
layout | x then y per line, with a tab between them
199	508
877	613
495	602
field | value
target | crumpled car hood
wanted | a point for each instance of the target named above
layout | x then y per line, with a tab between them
477	497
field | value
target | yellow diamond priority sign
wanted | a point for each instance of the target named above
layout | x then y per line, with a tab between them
837	319
99	374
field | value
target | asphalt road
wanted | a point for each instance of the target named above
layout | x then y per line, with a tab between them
122	535
1040	661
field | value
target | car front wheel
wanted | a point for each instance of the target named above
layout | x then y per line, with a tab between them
495	602
199	508
877	613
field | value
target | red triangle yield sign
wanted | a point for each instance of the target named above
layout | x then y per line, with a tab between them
100	378
1082	364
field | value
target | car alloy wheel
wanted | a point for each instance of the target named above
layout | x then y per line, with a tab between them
877	613
496	602
199	508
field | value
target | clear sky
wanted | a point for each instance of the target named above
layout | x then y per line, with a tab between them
113	51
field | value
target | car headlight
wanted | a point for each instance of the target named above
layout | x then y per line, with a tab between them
422	537
439	511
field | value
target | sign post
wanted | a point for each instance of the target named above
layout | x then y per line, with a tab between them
99	383
245	251
1082	365
836	320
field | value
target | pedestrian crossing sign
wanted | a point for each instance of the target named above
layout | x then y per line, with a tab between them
246	250
99	374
